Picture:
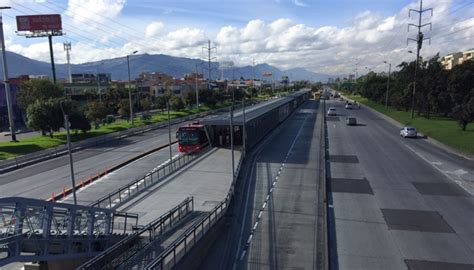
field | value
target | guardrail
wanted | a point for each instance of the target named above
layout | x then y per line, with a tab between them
127	247
178	249
123	194
25	160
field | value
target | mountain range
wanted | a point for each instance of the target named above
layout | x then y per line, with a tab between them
174	66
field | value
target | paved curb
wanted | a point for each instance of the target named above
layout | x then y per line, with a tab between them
429	139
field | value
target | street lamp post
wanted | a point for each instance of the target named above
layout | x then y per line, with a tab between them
98	83
130	87
67	125
169	131
197	89
232	135
388	83
5	81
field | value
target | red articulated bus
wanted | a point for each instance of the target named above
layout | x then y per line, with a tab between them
191	138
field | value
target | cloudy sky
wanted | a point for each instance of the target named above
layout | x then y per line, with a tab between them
322	36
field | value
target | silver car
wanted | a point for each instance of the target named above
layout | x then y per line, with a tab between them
408	132
332	111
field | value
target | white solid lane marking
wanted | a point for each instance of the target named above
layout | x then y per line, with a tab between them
448	174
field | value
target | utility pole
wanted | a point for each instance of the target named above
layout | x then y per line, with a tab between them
209	59
388	83
419	42
67	48
5	81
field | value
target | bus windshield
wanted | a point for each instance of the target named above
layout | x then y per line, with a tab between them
188	137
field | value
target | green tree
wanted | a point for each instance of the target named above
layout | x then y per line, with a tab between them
79	121
124	107
45	116
176	103
461	90
145	104
189	98
38	90
95	112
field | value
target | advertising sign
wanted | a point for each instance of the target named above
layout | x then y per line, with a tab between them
34	23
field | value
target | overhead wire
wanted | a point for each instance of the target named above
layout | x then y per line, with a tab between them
68	25
97	14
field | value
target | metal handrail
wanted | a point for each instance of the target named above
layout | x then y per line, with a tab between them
127	247
125	193
190	237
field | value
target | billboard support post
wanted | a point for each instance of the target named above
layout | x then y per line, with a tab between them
48	25
51	54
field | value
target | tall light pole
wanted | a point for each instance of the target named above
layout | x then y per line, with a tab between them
197	88
232	134
98	83
169	130
5	81
130	87
388	83
67	125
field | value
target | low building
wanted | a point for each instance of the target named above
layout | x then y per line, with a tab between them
87	83
450	60
18	113
467	55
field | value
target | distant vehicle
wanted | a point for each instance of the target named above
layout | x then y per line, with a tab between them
341	99
191	138
336	95
351	121
332	111
349	106
408	132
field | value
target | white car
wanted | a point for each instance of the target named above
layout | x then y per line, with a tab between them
348	106
408	132
332	111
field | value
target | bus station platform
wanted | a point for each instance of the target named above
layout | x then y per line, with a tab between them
206	179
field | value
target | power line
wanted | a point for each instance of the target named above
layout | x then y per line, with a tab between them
95	21
68	30
98	15
68	25
454	32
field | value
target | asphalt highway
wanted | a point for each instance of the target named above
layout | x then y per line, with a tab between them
274	222
395	203
41	180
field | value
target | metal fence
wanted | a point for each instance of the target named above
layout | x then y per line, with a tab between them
169	258
125	193
39	156
129	246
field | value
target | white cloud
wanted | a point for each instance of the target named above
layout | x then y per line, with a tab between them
282	42
93	12
299	3
154	29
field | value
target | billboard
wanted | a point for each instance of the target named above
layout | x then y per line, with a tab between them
34	23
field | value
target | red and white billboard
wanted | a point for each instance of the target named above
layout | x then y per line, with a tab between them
33	23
